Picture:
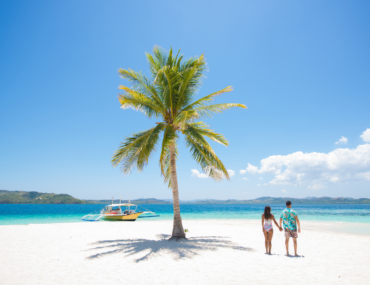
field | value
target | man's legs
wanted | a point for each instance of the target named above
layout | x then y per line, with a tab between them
287	245
295	246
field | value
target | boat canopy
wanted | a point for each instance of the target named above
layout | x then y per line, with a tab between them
119	205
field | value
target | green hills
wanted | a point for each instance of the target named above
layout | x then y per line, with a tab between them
23	197
136	201
282	200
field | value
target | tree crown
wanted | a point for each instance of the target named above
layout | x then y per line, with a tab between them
169	95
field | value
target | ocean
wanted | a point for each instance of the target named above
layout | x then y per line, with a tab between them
16	214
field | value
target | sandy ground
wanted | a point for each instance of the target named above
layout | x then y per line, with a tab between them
216	252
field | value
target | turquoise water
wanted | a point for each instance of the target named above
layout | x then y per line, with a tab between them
38	214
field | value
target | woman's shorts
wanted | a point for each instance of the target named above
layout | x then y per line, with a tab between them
291	233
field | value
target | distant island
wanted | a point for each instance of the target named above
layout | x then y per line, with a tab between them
261	200
135	201
282	200
23	197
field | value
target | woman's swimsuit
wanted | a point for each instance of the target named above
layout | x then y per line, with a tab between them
268	225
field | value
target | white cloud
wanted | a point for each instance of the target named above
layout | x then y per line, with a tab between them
366	135
264	184
284	191
342	140
245	178
315	186
243	171
252	169
258	184
260	178
364	175
196	173
231	172
316	170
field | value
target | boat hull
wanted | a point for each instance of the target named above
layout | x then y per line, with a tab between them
127	218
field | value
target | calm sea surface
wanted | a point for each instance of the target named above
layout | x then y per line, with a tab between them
36	214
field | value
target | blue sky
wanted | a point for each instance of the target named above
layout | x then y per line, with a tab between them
301	67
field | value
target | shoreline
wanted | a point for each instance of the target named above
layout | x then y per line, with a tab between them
336	227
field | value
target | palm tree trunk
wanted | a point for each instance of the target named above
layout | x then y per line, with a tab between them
178	230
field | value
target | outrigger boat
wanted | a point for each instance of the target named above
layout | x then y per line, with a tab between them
119	212
115	212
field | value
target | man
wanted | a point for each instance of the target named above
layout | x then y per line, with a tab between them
290	219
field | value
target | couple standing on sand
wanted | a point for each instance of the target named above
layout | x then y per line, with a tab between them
290	221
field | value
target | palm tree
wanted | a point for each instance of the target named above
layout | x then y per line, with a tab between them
169	95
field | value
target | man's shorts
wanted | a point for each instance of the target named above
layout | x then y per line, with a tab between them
291	233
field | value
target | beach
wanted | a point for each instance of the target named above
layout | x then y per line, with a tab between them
216	252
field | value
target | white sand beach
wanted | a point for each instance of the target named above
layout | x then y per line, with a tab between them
216	252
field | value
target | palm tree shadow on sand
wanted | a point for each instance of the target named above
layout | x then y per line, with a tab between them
151	248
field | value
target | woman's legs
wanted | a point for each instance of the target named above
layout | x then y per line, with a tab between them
266	240
269	239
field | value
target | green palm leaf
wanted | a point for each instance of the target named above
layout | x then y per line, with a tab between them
138	101
191	73
141	84
136	149
210	110
202	152
207	99
204	155
200	129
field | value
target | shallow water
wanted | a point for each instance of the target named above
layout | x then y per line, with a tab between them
36	214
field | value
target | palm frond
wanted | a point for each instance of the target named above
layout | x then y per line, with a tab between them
192	71
169	79
206	99
199	62
141	84
200	129
185	117
138	101
168	76
187	87
177	59
136	149
160	56
209	110
204	155
154	65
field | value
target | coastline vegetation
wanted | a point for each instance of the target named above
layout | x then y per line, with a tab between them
33	197
282	200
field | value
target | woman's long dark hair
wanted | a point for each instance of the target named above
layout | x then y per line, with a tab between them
267	212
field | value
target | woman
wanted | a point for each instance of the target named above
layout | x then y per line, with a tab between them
267	229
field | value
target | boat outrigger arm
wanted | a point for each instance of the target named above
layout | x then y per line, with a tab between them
91	217
148	214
